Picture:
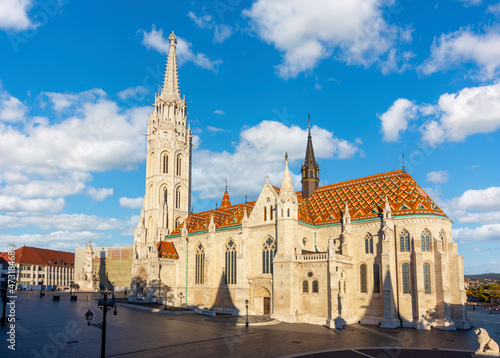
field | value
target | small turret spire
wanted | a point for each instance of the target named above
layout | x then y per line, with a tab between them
286	189
171	80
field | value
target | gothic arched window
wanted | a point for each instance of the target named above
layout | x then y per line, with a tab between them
406	278
200	265
315	287
425	240
362	276
368	244
404	241
265	213
268	252
270	212
427	278
178	198
230	264
376	278
177	222
305	286
164	163
179	165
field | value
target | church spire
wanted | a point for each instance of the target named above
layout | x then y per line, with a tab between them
286	189
310	169
226	202
171	80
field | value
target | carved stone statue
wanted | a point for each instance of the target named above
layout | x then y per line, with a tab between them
487	346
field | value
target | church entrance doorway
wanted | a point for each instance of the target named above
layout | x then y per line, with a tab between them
267	306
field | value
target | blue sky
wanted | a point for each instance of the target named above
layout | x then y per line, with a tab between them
379	78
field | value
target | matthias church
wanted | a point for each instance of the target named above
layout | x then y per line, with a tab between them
375	250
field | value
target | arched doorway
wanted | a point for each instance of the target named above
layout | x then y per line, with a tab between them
263	299
141	280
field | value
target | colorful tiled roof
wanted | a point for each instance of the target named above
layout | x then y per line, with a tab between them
27	255
166	250
226	202
365	198
223	218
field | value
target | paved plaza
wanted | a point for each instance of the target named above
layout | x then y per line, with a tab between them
47	328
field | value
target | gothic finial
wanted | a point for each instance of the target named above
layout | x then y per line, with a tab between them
246	198
403	163
309	122
226	183
286	156
216	205
173	39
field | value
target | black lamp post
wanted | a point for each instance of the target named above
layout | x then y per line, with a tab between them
105	304
41	288
246	304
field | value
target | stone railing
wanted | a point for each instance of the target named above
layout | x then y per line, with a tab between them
312	257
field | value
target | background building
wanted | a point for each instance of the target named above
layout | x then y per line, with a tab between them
37	266
97	264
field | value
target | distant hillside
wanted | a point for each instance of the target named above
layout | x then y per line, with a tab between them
489	276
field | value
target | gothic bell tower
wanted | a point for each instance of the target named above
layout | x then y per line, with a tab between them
310	169
167	199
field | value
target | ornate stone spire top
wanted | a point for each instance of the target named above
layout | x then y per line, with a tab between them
286	190
171	80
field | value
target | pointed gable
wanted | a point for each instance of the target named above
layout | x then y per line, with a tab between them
226	202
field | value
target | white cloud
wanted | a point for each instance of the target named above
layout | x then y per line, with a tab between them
14	14
219	111
464	46
495	9
437	176
396	119
99	194
482	233
204	21
215	129
456	116
11	108
482	199
468	3
260	152
490	217
131	203
155	40
17	204
50	158
59	240
307	32
132	92
221	31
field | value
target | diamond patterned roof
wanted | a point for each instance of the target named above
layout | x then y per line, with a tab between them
224	217
166	250
365	198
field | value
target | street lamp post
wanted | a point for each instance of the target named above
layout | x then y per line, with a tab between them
246	305
41	288
105	305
